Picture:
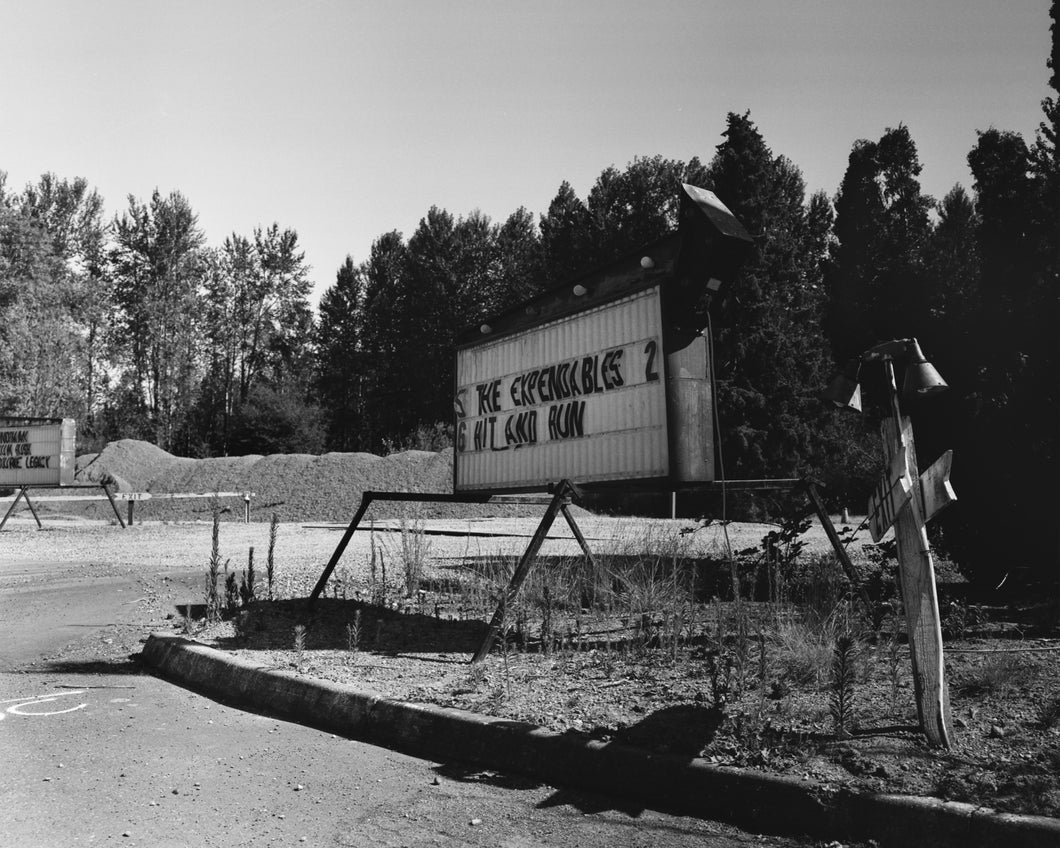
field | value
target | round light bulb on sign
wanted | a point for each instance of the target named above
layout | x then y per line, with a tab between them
580	290
647	263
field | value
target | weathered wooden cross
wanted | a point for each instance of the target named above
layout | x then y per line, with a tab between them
908	500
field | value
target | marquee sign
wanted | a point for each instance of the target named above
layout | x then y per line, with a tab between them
580	398
605	379
37	452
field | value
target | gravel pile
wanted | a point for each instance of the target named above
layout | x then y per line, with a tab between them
297	487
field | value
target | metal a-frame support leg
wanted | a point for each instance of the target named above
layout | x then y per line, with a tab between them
565	509
32	509
841	552
366	501
560	499
114	506
22	493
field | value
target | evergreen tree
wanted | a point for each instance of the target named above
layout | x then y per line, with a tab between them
340	369
876	281
1009	438
381	342
637	206
425	309
770	354
518	257
566	246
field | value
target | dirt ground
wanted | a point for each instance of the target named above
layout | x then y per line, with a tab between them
1005	697
1003	666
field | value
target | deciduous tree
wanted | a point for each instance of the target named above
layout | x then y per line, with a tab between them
154	269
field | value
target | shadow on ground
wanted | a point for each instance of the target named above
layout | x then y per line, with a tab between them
126	666
336	624
680	731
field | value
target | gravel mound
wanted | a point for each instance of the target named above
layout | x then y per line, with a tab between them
297	487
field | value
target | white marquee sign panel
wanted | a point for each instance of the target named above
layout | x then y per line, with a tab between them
37	454
582	397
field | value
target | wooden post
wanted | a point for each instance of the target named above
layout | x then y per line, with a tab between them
917	579
131	504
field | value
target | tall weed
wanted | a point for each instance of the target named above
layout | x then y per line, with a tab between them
414	550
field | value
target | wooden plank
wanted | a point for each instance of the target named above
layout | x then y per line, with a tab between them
920	597
891	494
936	491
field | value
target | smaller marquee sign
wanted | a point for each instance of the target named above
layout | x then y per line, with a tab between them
37	452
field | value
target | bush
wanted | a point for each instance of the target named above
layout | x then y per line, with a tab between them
276	421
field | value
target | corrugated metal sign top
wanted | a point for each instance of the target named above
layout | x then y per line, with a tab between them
581	397
708	246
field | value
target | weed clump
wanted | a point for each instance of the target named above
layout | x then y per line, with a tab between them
212	595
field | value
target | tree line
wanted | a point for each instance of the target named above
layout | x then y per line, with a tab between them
138	328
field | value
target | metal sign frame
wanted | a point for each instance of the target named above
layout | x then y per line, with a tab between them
67	465
686	268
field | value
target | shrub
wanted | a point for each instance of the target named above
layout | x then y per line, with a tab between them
414	550
999	672
802	649
841	685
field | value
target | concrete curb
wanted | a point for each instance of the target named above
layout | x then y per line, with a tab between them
761	802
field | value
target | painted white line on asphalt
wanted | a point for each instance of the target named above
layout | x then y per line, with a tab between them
19	706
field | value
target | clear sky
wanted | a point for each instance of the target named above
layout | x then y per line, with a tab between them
346	119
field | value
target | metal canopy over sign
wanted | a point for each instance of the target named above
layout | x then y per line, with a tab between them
37	451
606	378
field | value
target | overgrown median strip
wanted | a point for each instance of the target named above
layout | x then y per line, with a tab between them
688	785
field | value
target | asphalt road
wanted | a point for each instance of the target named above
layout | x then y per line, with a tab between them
94	751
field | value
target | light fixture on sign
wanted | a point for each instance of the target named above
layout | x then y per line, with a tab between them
647	263
844	390
580	290
485	329
921	378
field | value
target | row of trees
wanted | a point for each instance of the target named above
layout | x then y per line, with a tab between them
139	329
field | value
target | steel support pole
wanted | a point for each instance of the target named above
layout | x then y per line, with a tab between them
14	503
113	504
559	499
840	551
366	501
576	530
